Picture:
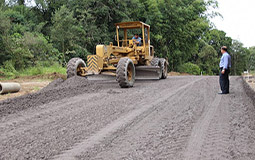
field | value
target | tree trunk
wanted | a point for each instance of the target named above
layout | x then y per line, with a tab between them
63	51
21	2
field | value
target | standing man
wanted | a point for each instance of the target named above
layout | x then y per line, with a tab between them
225	65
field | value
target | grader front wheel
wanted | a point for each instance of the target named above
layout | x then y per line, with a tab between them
125	73
74	67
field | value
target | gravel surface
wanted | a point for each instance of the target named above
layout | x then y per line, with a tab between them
56	90
177	118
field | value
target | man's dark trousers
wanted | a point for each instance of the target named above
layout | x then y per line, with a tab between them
224	81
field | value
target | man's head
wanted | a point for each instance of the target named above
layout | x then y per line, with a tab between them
224	49
136	36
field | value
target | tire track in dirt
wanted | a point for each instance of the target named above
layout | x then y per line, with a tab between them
229	134
242	121
143	126
28	120
113	127
47	112
160	134
57	134
175	137
160	129
199	131
217	142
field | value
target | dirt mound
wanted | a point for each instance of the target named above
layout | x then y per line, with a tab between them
53	84
73	82
56	90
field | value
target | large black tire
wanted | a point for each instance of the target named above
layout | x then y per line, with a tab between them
157	62
165	68
73	65
125	73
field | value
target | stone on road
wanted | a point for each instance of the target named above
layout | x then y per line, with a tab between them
177	118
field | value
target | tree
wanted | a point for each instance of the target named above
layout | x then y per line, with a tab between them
208	60
64	31
239	58
217	39
40	48
2	3
189	68
21	2
184	24
5	27
251	59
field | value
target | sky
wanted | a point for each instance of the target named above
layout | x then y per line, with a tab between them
238	20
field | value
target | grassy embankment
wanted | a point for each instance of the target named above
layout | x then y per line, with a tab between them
40	71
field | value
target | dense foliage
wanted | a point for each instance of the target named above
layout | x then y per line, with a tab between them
189	68
50	31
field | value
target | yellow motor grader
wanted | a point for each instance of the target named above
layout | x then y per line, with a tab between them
127	60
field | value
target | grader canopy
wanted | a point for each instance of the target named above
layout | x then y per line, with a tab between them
133	28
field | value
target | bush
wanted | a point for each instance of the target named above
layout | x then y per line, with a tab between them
208	60
39	47
41	68
8	69
189	68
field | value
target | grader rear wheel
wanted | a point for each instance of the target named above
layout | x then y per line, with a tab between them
157	62
125	73
164	66
74	67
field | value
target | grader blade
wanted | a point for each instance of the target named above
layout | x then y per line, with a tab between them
104	76
147	72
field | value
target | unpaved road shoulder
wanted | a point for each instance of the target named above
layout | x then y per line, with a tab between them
27	86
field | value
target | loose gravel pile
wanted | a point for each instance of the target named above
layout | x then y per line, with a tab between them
56	90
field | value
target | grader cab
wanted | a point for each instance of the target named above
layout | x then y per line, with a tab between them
127	60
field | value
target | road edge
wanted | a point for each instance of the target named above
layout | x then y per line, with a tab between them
249	90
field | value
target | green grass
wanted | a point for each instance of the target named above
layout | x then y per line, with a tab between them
40	70
36	88
35	71
252	72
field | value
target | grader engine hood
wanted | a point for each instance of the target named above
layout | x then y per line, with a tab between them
101	50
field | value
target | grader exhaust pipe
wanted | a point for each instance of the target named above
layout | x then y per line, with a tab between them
9	87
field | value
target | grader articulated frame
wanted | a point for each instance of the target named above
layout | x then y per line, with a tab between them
127	60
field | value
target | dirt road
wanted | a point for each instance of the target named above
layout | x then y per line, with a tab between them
179	118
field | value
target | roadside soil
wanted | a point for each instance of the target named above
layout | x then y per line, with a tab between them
250	79
27	86
30	84
178	74
180	118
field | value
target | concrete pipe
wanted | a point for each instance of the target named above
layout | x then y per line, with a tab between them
9	87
